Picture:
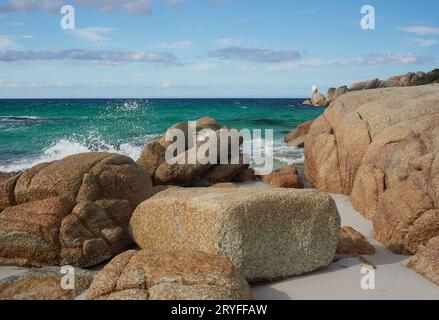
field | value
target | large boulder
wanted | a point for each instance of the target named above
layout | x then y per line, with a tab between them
382	147
168	275
296	138
267	234
426	261
46	284
185	172
73	211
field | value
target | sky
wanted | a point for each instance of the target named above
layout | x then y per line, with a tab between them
208	48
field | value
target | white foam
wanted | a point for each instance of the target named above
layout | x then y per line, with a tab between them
66	147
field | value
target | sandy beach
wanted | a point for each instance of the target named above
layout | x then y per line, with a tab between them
340	280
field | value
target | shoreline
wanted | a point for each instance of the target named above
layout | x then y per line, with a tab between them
338	281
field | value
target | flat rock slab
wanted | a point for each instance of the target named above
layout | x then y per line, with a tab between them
168	275
44	284
267	234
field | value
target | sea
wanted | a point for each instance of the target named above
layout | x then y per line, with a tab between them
44	130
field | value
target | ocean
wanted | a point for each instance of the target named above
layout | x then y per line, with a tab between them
35	131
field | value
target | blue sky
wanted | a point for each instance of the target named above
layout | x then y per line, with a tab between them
208	48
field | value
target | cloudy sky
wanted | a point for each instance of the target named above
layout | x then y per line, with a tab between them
208	48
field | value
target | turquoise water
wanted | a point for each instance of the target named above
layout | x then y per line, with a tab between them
34	131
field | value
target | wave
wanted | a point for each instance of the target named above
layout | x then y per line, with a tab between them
21	118
67	147
282	154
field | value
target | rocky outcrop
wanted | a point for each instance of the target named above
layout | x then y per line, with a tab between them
186	173
426	261
334	93
45	284
319	100
406	80
353	243
72	212
287	177
296	138
381	146
168	275
307	102
267	234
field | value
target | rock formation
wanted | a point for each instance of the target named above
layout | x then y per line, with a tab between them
168	275
296	138
44	284
287	177
187	174
426	261
71	212
382	147
267	234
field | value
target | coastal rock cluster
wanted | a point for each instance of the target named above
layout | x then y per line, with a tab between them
195	243
382	147
70	212
164	173
410	79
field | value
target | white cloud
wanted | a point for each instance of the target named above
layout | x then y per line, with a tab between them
176	45
139	7
92	34
255	55
421	30
425	42
90	56
7	42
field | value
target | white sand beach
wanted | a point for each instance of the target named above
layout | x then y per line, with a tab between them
341	279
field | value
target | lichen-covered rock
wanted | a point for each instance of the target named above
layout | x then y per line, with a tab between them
267	234
296	138
382	147
426	261
73	211
168	275
45	284
353	243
